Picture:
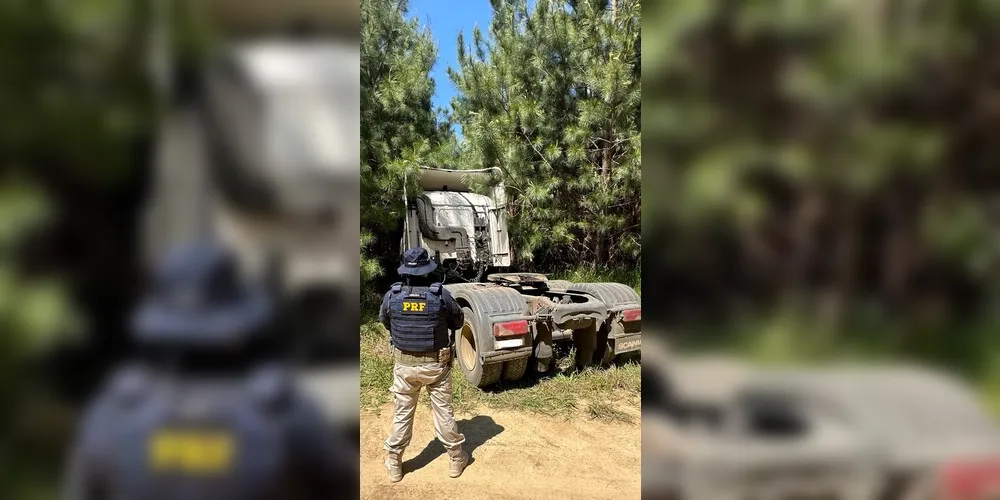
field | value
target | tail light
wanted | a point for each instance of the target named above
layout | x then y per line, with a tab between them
510	328
972	480
632	315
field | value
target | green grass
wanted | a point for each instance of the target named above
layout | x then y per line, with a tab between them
609	394
376	365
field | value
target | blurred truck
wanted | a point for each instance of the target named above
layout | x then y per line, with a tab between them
513	321
717	429
258	148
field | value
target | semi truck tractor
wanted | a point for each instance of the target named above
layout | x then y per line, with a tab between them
514	322
715	427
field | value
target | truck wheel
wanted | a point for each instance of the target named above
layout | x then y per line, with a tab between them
514	369
470	357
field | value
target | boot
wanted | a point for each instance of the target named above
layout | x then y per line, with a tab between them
394	465
459	459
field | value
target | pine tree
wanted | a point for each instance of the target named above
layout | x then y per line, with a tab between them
551	97
827	159
398	125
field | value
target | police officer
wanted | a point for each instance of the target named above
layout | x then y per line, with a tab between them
205	412
419	315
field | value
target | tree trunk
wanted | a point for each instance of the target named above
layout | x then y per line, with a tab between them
605	163
808	212
897	252
846	269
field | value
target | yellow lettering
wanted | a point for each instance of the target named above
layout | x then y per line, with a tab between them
414	306
191	452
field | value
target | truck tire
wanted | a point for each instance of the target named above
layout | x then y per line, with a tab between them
454	287
931	403
469	355
514	370
481	304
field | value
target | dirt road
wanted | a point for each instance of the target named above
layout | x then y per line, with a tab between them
515	456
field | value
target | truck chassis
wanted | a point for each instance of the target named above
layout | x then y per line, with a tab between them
514	321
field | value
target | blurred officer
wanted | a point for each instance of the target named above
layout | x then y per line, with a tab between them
208	412
419	315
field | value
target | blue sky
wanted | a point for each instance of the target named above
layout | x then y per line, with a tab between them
446	19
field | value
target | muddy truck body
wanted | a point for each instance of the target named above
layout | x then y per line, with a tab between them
514	322
718	429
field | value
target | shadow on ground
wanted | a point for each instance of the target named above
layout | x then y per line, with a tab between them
478	430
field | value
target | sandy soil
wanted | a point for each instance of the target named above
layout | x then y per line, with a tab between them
514	456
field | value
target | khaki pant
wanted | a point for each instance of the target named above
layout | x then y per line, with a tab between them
411	372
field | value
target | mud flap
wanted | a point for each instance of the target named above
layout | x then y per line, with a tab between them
542	352
585	341
626	343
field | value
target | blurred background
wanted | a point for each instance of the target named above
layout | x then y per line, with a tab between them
822	179
820	223
87	89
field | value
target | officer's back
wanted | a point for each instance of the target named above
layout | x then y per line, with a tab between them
419	316
204	415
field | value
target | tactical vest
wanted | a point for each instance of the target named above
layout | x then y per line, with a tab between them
195	440
417	318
